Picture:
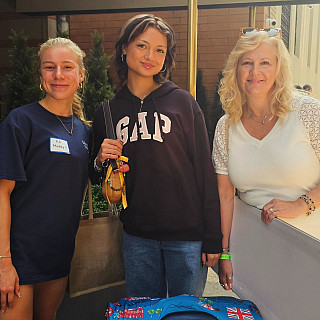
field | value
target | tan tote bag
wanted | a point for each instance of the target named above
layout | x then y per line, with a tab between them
98	260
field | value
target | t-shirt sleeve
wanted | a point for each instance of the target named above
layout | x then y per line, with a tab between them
308	111
12	150
220	155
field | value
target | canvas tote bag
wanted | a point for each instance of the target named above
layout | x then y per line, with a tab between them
98	260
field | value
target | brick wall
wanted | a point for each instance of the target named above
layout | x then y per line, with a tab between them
217	34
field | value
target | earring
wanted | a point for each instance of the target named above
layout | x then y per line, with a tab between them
40	86
80	86
123	57
165	68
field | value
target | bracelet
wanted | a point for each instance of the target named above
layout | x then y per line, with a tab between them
95	166
225	256
1	257
225	250
309	202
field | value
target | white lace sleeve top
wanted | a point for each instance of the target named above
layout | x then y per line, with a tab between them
284	164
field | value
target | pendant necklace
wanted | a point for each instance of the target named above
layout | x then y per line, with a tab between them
71	131
263	120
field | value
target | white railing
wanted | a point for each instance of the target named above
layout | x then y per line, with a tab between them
277	266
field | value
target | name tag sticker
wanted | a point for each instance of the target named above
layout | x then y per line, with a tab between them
59	145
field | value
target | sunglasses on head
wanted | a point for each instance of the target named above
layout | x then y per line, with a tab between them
272	32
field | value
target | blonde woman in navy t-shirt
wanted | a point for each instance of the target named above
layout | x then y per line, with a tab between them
43	172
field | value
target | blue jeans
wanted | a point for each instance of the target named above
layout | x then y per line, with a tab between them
160	268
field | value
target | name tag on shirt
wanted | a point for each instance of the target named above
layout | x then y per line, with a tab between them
59	145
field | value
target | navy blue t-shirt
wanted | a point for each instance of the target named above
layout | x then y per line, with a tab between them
50	168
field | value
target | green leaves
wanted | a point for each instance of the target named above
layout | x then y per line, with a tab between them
22	83
98	202
98	87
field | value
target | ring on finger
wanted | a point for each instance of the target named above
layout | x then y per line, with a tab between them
271	210
222	285
229	278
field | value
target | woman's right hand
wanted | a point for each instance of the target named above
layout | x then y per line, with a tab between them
110	149
225	274
9	284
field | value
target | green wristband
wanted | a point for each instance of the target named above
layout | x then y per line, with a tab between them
225	256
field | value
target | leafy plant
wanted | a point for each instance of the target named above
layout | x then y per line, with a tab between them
98	202
60	20
217	111
63	34
22	83
98	87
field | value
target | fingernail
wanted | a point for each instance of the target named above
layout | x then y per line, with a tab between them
2	311
19	294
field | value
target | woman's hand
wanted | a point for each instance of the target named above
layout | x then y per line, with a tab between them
226	274
9	284
210	259
283	209
110	149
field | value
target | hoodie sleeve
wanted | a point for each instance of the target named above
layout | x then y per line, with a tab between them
207	181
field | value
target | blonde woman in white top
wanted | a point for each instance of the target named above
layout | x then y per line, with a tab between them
267	146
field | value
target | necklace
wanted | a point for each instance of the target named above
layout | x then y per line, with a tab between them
264	118
71	131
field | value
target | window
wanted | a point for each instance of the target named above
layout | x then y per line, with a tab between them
318	44
285	24
310	37
297	40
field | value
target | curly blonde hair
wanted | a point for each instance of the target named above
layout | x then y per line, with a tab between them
77	105
232	96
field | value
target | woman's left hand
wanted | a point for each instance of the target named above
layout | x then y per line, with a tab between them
225	272
283	209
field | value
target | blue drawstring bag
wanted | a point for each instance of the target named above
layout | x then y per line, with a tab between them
183	307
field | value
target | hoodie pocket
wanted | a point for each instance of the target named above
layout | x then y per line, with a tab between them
160	204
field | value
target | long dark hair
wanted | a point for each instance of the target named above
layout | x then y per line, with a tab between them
130	31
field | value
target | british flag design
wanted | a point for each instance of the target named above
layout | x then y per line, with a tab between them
242	314
222	308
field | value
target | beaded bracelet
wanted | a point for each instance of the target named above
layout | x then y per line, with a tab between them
309	202
225	256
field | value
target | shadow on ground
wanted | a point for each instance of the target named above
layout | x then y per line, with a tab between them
90	306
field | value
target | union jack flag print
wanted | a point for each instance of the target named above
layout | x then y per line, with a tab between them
242	314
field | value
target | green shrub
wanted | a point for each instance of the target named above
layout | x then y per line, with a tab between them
98	87
98	202
22	83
